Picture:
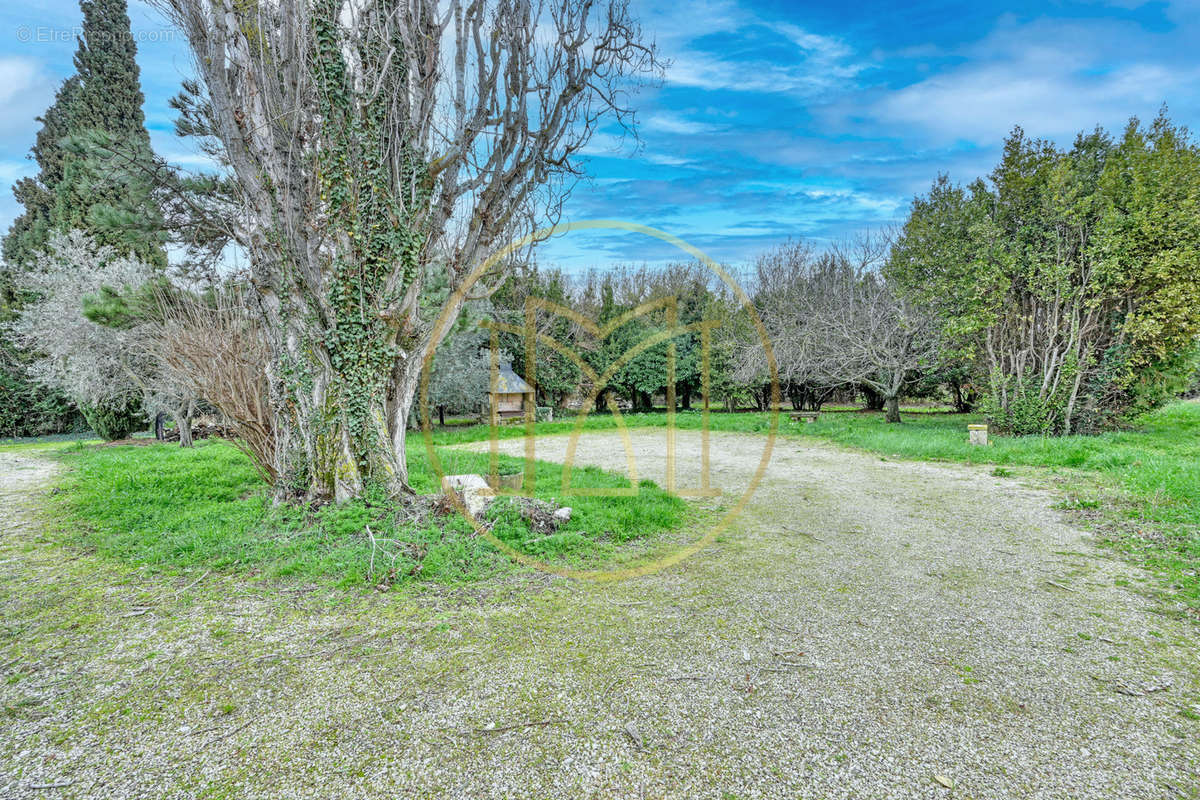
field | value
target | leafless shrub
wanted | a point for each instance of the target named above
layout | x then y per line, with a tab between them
89	362
213	344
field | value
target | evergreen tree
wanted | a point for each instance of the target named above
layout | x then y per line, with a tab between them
102	190
1067	281
31	231
27	408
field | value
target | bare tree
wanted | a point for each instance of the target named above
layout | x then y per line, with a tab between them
796	290
834	321
371	141
880	339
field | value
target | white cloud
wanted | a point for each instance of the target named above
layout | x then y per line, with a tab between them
701	71
665	160
25	91
830	53
17	75
822	62
675	124
1053	82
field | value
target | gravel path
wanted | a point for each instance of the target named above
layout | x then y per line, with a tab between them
865	628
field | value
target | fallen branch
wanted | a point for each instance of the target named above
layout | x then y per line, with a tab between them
806	533
519	725
225	735
54	785
193	583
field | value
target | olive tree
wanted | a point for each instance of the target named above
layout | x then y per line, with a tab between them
370	141
461	373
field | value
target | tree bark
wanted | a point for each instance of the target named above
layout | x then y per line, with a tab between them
183	422
892	408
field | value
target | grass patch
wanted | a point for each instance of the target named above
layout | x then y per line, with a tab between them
166	507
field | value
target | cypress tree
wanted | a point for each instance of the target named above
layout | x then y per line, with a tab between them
26	408
101	190
30	231
106	61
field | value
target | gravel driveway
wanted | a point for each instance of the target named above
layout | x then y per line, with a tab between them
864	628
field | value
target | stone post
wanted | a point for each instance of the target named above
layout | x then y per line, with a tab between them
978	434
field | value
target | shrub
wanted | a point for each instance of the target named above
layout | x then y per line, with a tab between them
1023	410
29	409
116	420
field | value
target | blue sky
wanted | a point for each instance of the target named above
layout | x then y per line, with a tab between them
776	119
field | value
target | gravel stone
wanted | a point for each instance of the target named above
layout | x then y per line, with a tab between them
863	628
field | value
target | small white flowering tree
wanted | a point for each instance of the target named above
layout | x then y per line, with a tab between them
97	366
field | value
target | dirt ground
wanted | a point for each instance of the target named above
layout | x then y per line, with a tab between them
864	628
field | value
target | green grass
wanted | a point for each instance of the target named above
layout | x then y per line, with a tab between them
166	507
603	421
161	505
1143	483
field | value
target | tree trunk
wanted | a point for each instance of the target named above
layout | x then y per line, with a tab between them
892	407
337	432
160	425
875	400
183	422
959	402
